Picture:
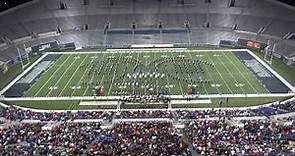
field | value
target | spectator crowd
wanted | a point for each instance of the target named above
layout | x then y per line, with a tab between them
204	132
13	113
135	138
251	137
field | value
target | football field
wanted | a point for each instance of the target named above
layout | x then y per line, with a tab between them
190	78
146	73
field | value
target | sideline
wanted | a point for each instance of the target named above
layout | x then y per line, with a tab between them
115	98
149	109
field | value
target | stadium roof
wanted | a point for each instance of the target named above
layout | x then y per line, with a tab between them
250	16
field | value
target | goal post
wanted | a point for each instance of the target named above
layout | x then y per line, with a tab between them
25	58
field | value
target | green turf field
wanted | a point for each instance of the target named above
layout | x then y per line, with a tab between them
146	73
288	72
13	71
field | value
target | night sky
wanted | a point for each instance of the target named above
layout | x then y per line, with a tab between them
6	4
291	2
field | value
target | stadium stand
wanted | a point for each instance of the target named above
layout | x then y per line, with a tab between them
249	16
203	135
267	130
218	137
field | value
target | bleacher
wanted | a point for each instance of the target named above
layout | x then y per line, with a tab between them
248	15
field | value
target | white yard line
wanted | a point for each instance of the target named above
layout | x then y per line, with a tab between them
133	88
241	73
72	76
230	73
210	76
126	66
145	63
41	88
177	75
60	78
168	83
85	91
103	76
205	67
114	75
220	76
157	81
86	70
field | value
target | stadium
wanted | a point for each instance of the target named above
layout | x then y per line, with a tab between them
138	77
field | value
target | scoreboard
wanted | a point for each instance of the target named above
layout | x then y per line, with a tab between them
253	44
